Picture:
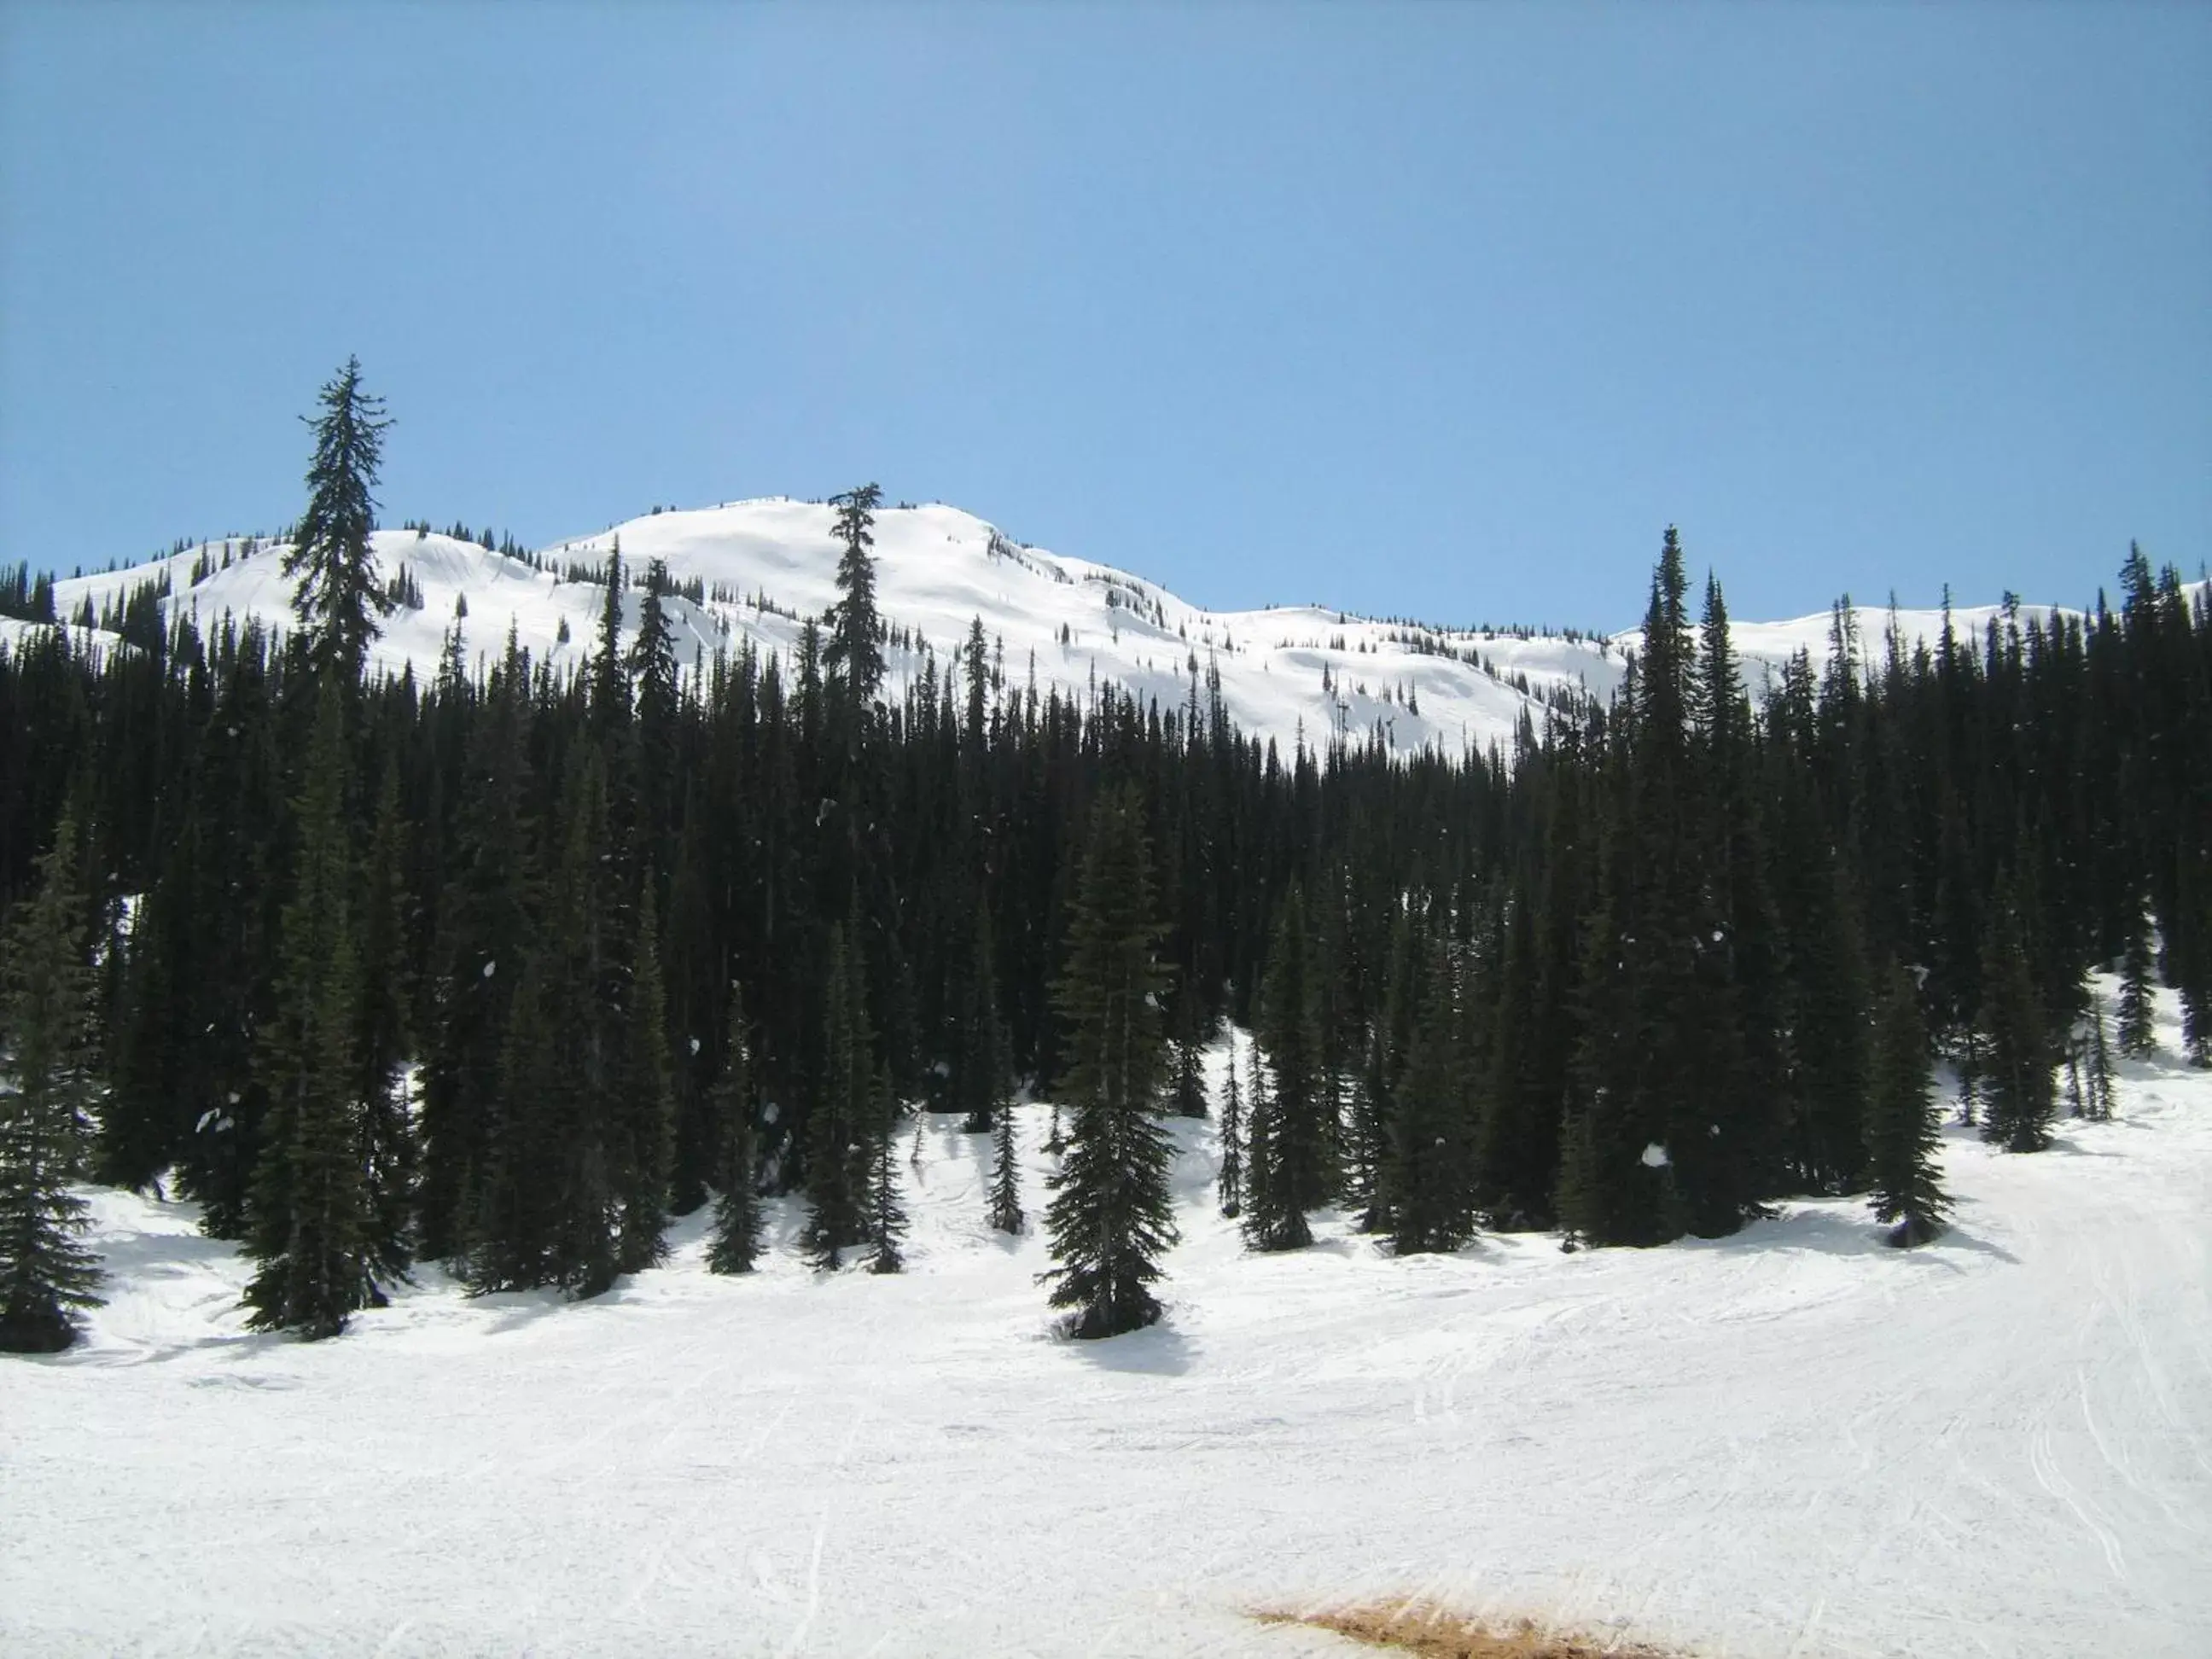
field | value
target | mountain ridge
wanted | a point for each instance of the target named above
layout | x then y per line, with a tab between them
755	570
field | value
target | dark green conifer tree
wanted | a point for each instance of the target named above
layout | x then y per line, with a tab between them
735	1242
307	1223
1738	1155
609	673
1829	1037
2097	1066
644	1110
387	1132
1431	1180
1110	1218
2138	1029
338	598
1661	1031
886	1216
1904	1133
854	651
1298	1172
519	1202
483	940
2018	1099
49	1087
548	1202
1517	1138
2189	951
1187	1091
980	1082
652	674
1006	1214
1229	1184
1579	1200
840	1123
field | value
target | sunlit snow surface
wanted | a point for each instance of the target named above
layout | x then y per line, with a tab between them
1791	1442
1053	621
1071	623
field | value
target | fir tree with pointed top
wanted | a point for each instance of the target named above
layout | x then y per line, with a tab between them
49	1088
2138	1029
655	681
735	1242
1298	1172
1111	1218
1007	1213
339	598
1904	1132
854	650
1229	1185
2097	1068
886	1216
610	667
1187	1089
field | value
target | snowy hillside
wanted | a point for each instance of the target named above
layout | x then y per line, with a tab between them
1286	670
939	569
1791	1442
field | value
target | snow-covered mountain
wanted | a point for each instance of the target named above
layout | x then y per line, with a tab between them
764	566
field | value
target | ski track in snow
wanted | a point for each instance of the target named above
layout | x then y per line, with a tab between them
1791	1442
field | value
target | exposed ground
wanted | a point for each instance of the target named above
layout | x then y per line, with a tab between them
1436	1634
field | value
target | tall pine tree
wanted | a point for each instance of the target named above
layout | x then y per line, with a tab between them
1110	1218
644	1137
1904	1130
308	1222
338	598
49	1087
854	651
1293	1166
2139	1028
2019	1102
735	1242
840	1122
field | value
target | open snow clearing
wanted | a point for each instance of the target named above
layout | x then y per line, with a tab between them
1793	1441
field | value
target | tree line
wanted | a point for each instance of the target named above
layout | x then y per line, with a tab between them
501	969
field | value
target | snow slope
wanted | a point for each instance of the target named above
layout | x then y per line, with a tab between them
1791	1442
939	569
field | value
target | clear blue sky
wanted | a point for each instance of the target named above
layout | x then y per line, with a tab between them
1438	309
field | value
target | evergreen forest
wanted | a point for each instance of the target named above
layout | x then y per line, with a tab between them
501	969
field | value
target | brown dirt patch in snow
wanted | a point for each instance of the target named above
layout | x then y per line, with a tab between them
1435	1634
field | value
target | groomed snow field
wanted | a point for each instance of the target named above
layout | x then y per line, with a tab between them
1794	1442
